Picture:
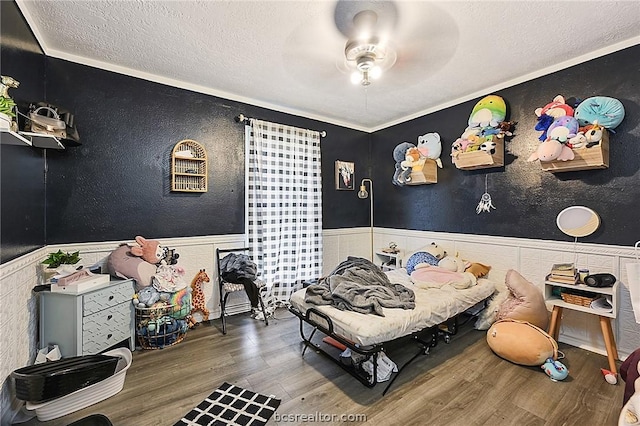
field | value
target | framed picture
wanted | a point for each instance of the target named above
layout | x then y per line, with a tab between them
344	175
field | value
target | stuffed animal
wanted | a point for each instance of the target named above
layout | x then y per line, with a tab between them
547	114
453	263
521	342
149	250
122	264
563	128
169	256
489	147
550	150
608	112
592	134
146	297
488	112
506	128
429	255
430	146
401	176
525	302
478	269
412	159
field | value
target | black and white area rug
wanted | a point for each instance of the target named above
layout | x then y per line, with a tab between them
232	405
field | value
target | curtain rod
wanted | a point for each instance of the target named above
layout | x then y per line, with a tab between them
243	118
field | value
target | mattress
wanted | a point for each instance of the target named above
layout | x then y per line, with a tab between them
433	306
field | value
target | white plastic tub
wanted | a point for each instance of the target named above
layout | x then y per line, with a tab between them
87	396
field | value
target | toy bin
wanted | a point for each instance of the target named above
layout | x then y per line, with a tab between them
162	325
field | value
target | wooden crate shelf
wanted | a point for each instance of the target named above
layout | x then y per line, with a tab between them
425	174
475	160
596	157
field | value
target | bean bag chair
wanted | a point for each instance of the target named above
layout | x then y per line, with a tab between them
524	302
521	343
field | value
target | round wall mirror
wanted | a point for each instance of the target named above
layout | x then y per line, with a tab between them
578	221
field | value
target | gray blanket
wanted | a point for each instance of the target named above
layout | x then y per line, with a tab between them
360	286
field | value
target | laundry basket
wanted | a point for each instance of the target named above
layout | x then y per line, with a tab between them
162	325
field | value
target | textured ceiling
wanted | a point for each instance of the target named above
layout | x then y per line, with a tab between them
289	55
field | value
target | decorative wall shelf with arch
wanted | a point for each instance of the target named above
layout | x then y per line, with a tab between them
188	167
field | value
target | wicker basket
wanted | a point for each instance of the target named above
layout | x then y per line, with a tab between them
160	326
577	299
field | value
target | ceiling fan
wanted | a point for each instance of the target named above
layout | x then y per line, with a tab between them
368	27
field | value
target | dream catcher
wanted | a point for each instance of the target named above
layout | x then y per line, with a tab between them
485	204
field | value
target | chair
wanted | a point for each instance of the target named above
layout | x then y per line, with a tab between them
227	287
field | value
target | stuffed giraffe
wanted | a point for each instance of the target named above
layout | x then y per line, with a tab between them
197	298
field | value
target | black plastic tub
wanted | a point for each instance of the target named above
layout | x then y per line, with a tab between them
53	379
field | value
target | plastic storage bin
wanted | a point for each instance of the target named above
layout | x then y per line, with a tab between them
42	382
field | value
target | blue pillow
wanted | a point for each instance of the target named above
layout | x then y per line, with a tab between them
420	257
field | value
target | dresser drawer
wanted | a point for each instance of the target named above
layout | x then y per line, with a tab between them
102	299
106	328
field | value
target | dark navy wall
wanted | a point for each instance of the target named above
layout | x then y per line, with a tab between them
526	198
22	188
117	184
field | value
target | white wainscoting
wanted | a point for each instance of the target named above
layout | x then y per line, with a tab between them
532	258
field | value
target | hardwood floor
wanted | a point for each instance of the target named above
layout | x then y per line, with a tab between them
461	383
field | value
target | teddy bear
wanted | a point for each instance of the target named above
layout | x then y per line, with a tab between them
401	175
430	146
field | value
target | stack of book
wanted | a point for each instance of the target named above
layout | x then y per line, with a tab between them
564	273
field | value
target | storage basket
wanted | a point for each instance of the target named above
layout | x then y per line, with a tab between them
49	380
578	299
162	325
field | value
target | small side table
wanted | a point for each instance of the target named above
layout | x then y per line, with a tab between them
604	317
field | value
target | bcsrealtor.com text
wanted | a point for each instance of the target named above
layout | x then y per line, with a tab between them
319	417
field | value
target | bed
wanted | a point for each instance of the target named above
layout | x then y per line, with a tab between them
435	316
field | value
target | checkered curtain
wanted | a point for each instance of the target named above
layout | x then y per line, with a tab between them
284	209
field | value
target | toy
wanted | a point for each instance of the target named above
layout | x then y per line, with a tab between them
609	112
181	303
488	112
149	250
578	141
489	147
401	175
8	105
453	263
198	299
413	159
169	256
563	128
551	111
592	134
478	269
521	342
556	108
555	370
430	254
550	150
430	146
506	128
524	302
122	264
146	297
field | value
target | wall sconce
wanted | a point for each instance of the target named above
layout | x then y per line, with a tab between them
362	194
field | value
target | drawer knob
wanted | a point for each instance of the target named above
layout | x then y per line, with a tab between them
109	317
109	336
111	297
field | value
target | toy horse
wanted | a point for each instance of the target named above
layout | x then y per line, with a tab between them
197	297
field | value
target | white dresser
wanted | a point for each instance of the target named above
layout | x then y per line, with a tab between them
90	322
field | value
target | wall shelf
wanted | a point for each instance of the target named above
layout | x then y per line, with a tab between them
475	160
424	174
40	140
596	157
188	167
13	138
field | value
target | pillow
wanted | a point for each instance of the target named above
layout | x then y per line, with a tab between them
478	269
420	257
525	302
521	343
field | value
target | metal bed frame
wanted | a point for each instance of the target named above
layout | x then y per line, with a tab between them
426	339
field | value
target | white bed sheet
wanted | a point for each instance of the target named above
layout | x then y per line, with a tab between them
433	306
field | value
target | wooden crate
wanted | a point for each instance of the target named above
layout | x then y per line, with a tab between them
426	174
596	157
481	159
